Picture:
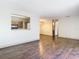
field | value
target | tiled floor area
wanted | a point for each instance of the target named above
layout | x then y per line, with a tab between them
43	49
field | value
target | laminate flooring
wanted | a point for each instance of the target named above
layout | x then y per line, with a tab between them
45	48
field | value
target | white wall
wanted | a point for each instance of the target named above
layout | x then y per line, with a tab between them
69	27
10	37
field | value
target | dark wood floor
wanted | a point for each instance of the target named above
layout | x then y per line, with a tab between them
43	49
23	51
62	48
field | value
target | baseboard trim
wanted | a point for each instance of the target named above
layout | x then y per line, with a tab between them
19	44
68	38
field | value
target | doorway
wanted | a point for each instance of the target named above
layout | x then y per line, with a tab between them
49	27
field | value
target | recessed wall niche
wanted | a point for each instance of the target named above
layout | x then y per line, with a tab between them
20	22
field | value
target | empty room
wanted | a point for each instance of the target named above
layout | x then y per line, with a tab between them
39	29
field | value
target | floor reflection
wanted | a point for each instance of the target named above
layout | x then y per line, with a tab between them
47	47
60	49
